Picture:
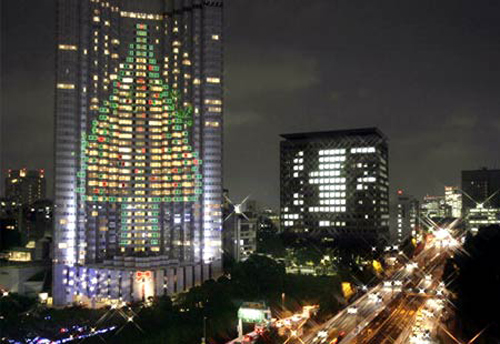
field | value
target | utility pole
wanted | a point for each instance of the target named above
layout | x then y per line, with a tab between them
204	338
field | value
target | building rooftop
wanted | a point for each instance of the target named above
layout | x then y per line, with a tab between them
334	134
484	169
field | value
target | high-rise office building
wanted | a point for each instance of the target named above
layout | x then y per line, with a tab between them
407	217
434	207
334	184
480	216
25	186
480	187
138	148
453	198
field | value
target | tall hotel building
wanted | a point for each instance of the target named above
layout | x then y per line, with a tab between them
138	184
334	185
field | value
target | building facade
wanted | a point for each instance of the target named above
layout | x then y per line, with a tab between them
25	186
453	198
407	217
435	207
240	236
239	228
138	148
481	216
480	187
334	185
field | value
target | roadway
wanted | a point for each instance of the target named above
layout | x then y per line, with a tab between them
388	309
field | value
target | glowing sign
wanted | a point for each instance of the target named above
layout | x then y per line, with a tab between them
142	275
251	315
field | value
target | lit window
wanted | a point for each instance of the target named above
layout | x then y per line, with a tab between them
212	124
67	47
66	86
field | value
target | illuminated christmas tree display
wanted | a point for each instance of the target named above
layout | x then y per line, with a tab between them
138	153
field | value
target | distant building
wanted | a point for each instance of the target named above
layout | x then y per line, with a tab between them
11	222
334	185
435	207
453	198
240	230
269	220
25	186
26	223
480	187
481	216
39	219
407	217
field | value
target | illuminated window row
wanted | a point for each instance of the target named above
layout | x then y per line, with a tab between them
67	47
363	150
339	158
66	86
213	101
137	15
332	202
327	180
332	159
324	173
332	187
327	209
215	109
367	179
331	194
212	124
332	152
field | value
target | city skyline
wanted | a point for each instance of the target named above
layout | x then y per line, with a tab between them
250	171
427	80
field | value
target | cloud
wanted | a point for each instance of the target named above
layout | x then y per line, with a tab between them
251	72
239	119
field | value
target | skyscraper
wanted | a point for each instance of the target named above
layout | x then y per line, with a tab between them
25	186
138	184
407	217
453	198
434	207
334	184
480	187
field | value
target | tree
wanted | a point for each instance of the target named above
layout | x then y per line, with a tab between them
474	276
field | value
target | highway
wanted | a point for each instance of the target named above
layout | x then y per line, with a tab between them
389	309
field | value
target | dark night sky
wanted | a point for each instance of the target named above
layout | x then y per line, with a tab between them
426	72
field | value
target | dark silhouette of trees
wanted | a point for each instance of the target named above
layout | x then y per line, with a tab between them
473	275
